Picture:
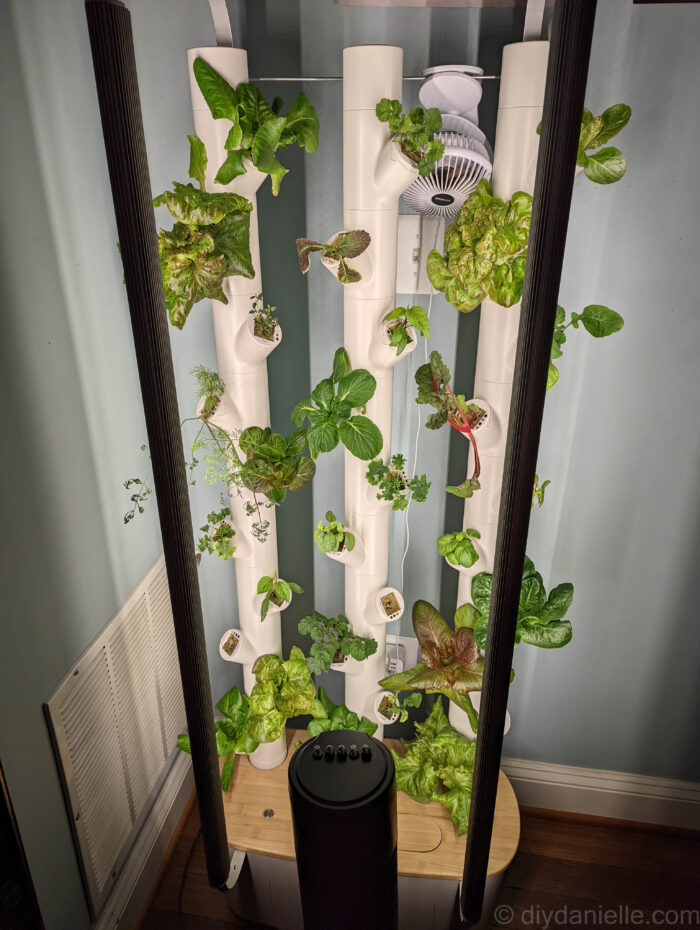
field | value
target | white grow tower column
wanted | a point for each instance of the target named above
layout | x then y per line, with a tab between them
241	359
375	173
523	78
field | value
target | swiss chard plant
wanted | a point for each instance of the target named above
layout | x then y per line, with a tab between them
450	664
394	485
538	491
343	246
458	548
333	640
438	765
433	380
282	690
399	321
337	717
414	132
210	389
596	319
540	616
210	240
277	591
329	411
232	734
332	536
218	535
258	129
264	318
390	704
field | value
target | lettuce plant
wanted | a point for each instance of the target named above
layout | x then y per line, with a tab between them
232	734
217	535
329	411
540	617
414	131
343	245
333	640
438	765
210	240
393	483
400	319
264	319
485	250
433	380
597	320
277	591
210	388
337	717
458	548
274	464
282	690
258	129
332	536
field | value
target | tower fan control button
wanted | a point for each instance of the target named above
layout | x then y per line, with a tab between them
317	752
354	752
366	753
329	753
341	753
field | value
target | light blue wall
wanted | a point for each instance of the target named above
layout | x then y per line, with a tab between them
620	437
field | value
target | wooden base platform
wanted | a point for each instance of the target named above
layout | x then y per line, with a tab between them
428	843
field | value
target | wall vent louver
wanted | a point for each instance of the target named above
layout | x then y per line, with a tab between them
114	720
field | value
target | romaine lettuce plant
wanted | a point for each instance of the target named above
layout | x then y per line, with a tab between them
438	765
209	242
329	412
332	536
540	617
485	250
400	319
258	129
217	535
333	640
458	548
232	734
277	591
393	483
597	320
433	380
282	690
343	245
337	717
414	131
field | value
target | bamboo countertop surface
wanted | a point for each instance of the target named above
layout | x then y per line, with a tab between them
428	841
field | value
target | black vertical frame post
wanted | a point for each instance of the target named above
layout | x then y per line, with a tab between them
567	70
109	24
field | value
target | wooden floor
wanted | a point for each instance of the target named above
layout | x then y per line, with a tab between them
570	871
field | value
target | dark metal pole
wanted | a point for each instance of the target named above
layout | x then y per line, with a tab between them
567	70
109	24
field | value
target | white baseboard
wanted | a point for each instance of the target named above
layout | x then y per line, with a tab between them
128	898
605	794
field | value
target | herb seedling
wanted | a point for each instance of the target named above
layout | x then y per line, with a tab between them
332	536
597	320
210	388
264	319
433	380
414	131
333	641
393	483
342	246
277	591
458	548
400	319
538	492
390	704
218	534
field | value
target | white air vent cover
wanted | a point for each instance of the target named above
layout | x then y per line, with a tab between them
114	720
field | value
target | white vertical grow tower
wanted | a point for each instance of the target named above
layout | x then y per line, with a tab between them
241	359
523	78
375	173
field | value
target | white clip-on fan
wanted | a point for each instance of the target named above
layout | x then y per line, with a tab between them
455	92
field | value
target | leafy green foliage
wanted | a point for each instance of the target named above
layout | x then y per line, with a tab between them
602	165
332	536
141	491
274	464
329	412
264	319
390	705
393	483
218	534
597	320
458	548
540	617
438	765
337	717
276	591
433	381
342	246
402	318
257	130
282	690
210	387
232	734
414	131
485	250
333	640
538	492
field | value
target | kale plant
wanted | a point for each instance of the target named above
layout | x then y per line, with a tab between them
343	245
597	320
393	483
414	131
333	640
332	536
277	591
400	319
337	717
458	548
